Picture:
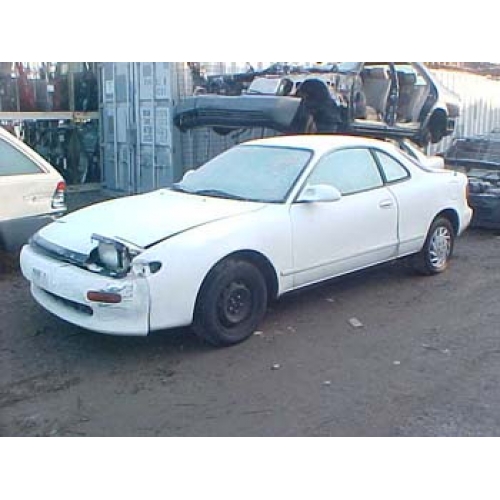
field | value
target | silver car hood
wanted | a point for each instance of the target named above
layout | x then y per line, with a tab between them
140	220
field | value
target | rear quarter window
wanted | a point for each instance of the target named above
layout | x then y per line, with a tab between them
393	170
15	162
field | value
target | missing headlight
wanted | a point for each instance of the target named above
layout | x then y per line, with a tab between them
113	255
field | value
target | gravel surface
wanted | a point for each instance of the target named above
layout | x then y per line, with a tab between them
379	353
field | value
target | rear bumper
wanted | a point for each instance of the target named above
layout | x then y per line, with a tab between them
62	290
16	233
466	220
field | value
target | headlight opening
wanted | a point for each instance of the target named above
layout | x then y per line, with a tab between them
112	255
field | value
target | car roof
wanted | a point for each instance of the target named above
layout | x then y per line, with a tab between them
321	144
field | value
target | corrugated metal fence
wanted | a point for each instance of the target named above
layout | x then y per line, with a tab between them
480	104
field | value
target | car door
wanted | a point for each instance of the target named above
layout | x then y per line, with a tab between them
25	188
334	238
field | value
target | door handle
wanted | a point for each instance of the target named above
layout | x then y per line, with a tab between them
386	204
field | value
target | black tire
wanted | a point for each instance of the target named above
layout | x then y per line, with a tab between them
424	139
435	256
231	303
437	126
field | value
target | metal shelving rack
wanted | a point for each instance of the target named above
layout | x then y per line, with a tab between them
37	113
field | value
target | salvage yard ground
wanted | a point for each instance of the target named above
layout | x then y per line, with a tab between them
380	353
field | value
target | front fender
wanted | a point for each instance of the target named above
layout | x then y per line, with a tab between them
188	258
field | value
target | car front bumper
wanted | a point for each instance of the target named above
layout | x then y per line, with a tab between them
62	288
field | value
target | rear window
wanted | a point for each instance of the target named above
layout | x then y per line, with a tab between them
14	162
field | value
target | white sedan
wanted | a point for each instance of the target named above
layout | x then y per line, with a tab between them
262	219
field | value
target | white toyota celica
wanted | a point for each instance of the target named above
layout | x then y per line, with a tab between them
262	219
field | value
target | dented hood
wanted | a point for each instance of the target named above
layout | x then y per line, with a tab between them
141	220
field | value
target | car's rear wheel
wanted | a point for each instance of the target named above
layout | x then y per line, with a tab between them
438	248
231	303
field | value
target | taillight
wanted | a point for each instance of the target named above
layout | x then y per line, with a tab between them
59	198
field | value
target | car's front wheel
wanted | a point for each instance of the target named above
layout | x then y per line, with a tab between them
438	248
231	303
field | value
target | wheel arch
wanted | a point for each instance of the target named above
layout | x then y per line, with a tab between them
256	258
452	215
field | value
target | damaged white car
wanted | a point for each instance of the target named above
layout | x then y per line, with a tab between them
260	220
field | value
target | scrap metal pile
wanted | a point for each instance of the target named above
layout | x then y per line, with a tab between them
479	158
397	100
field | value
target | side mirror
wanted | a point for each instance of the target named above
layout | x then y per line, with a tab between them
319	193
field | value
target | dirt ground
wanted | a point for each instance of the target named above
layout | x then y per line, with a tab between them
424	363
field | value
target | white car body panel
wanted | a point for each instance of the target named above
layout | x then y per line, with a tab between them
331	239
141	220
190	256
50	278
419	202
189	235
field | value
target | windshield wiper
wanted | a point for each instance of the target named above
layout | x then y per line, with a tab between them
216	193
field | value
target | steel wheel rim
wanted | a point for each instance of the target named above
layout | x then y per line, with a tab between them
235	304
440	247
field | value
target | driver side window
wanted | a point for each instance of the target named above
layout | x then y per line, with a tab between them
351	171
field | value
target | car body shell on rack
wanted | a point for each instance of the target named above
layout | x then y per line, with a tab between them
374	99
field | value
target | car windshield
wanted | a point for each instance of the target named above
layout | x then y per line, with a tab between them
251	173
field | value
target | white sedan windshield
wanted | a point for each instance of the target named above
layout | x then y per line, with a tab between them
252	173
